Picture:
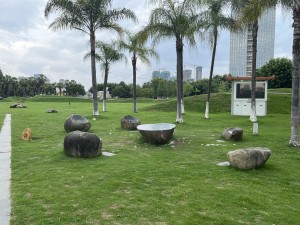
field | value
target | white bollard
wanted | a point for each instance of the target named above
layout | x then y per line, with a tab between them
255	128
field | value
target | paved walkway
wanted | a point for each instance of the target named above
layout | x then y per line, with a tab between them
5	171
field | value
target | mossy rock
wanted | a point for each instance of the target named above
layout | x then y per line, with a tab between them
77	122
82	144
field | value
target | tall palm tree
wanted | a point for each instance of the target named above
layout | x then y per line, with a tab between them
294	7
294	140
60	87
135	44
87	16
179	21
41	80
24	83
107	54
14	85
215	20
249	12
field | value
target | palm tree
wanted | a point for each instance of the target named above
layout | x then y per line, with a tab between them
214	21
294	7
87	16
60	87
41	80
294	141
135	45
179	21
24	83
14	85
107	54
249	12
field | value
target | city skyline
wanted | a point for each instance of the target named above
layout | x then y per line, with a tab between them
28	47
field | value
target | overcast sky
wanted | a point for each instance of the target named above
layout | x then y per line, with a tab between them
28	47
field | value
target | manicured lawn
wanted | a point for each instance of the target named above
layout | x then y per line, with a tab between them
144	184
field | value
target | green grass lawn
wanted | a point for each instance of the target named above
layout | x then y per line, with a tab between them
145	184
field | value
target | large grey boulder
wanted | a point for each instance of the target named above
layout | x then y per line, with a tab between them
234	134
52	111
129	122
248	158
82	144
18	106
77	122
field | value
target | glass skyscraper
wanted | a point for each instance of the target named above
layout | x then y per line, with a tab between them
241	46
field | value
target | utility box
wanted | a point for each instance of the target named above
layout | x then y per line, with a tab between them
241	98
241	95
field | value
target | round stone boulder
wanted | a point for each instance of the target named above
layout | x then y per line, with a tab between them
18	105
234	134
158	133
52	111
129	122
82	144
77	122
248	158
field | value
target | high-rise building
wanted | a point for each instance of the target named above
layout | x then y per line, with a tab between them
198	73
187	75
241	46
164	74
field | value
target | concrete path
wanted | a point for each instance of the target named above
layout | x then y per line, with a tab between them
5	171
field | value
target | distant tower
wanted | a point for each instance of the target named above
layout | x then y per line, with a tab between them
165	74
156	74
198	73
187	75
241	46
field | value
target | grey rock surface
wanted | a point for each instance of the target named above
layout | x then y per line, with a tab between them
52	111
248	158
234	134
18	105
82	144
129	122
77	122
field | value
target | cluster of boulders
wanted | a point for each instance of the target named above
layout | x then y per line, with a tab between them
246	158
78	142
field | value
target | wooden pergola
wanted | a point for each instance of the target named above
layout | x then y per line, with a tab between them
231	78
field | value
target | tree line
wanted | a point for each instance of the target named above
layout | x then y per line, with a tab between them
159	88
31	86
155	88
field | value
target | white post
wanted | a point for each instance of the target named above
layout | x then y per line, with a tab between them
255	128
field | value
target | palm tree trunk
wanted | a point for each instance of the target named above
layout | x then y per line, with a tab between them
253	117
211	72
93	69
104	87
133	60
179	65
294	140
